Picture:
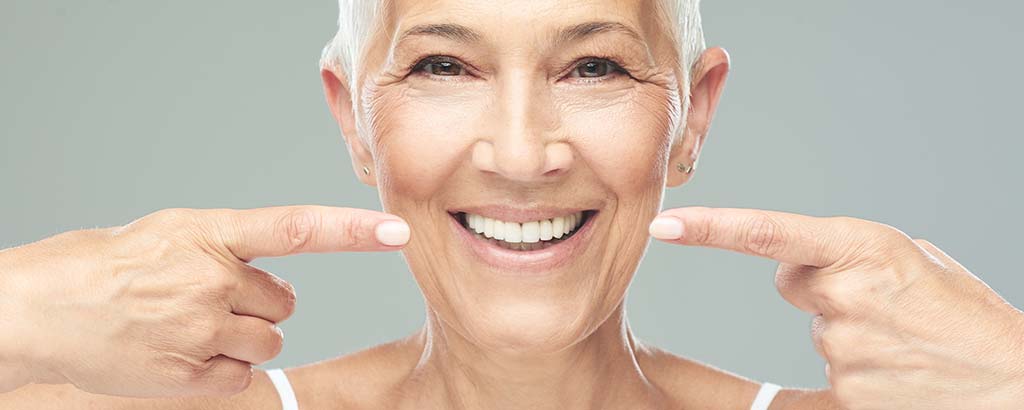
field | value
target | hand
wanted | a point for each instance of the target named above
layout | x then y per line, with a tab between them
900	323
168	304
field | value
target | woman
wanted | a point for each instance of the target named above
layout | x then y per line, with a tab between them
476	121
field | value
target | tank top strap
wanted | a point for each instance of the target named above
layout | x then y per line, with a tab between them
284	389
765	396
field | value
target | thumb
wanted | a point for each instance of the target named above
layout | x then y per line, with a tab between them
287	230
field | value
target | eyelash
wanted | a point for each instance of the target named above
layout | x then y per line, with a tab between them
615	67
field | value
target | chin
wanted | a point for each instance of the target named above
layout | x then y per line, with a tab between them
526	326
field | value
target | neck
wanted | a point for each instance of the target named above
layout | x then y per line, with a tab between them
601	371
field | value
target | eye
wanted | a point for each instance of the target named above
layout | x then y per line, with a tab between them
595	68
439	66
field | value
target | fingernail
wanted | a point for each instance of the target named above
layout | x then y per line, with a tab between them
392	233
666	227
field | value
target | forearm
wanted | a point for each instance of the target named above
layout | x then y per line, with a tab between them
13	372
21	348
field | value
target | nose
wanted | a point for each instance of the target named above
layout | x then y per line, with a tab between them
521	142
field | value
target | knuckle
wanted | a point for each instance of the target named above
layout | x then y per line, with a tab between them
352	232
764	235
831	345
199	374
835	294
704	234
223	283
208	333
171	216
221	376
242	379
791	280
281	294
183	373
887	235
289	300
297	228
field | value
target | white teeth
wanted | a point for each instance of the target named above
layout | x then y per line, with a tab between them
513	232
531	232
479	225
499	230
545	230
526	232
488	227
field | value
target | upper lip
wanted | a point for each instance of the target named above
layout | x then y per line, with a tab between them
516	214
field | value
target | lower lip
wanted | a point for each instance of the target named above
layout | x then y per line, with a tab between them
537	262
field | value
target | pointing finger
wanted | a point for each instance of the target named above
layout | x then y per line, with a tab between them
286	230
785	237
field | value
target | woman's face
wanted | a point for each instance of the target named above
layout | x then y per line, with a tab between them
548	124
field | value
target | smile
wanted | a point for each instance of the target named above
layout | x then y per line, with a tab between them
524	241
526	236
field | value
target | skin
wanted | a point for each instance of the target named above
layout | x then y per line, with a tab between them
896	318
166	305
517	127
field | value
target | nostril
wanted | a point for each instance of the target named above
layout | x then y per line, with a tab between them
558	158
554	172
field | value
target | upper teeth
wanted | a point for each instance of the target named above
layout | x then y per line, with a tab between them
526	232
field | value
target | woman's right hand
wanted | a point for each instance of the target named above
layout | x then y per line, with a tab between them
168	304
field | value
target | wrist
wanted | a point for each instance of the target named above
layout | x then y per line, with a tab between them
1013	394
23	352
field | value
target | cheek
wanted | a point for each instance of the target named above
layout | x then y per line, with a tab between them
420	140
624	138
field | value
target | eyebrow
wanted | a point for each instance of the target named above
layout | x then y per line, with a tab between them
460	33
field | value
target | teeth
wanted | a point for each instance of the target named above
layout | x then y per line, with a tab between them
545	230
488	227
479	225
531	232
499	230
513	232
526	233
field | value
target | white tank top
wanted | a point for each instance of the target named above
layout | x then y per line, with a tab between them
284	390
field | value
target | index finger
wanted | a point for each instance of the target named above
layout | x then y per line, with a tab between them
287	230
785	237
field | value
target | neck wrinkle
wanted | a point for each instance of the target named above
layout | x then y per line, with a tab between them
600	371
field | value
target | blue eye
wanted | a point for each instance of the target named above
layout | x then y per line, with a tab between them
439	65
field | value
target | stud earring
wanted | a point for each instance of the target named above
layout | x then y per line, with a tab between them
366	170
686	169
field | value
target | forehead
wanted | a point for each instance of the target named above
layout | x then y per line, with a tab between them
497	21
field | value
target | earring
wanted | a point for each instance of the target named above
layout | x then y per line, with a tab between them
366	170
686	169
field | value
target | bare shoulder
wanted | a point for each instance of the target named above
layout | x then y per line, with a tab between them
365	379
259	395
692	384
696	385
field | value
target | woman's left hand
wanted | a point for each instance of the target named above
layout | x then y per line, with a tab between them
900	323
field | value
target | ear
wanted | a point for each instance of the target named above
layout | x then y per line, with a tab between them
339	100
708	82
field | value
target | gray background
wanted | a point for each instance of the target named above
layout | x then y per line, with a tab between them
905	112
